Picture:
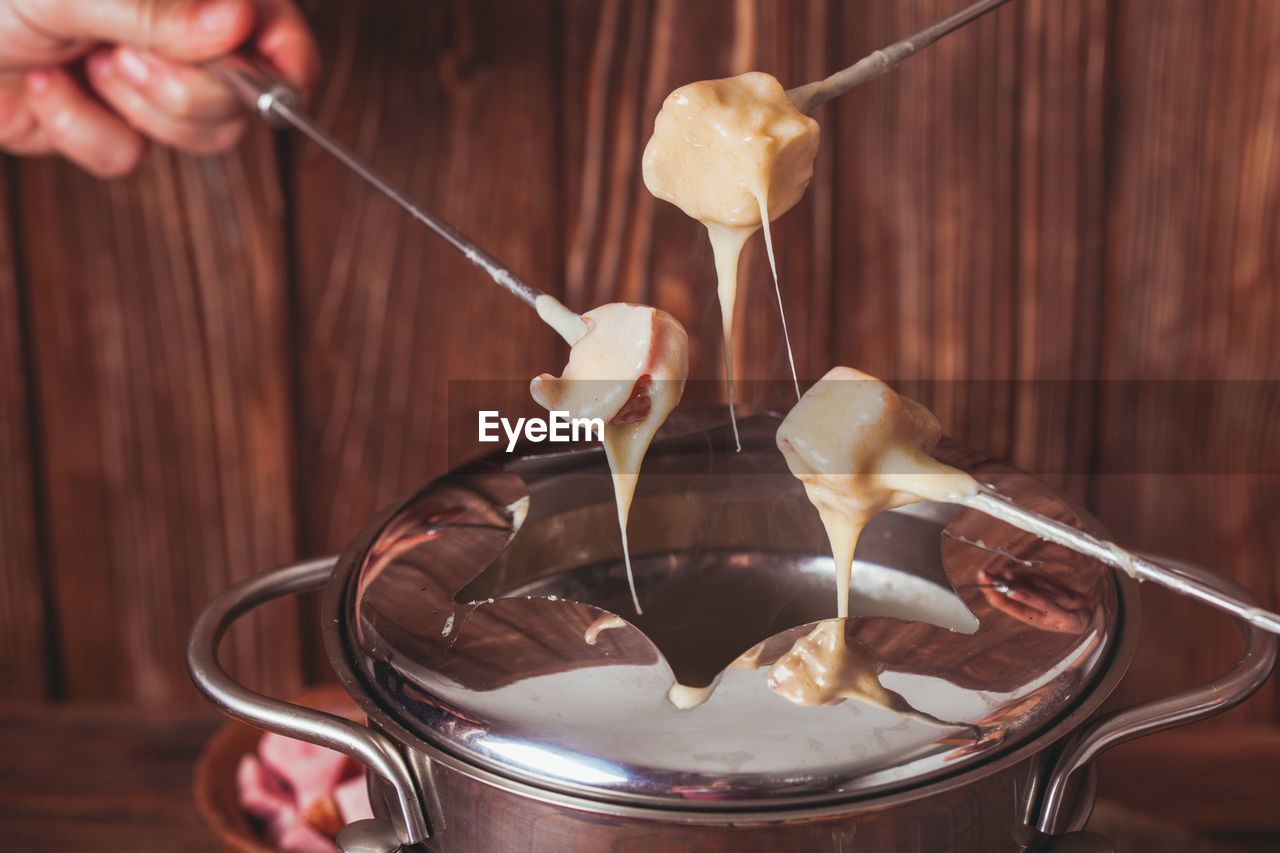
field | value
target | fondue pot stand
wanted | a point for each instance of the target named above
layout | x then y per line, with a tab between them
509	709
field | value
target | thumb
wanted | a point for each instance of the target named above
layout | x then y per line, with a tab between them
184	30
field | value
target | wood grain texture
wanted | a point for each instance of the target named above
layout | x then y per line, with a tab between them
925	215
1193	217
620	62
1059	238
93	778
158	322
969	223
1134	832
25	664
1063	192
1215	781
456	102
908	255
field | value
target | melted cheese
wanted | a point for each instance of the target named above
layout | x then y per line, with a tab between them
604	623
629	370
733	154
568	324
860	449
685	698
824	668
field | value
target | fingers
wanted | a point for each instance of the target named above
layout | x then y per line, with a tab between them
187	30
31	141
174	104
149	76
183	92
78	127
183	106
285	40
20	133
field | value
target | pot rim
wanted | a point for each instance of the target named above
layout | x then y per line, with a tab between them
1123	646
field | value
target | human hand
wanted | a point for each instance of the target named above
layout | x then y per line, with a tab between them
1035	599
91	79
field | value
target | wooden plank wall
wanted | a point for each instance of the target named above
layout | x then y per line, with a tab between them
1193	290
219	364
159	343
26	667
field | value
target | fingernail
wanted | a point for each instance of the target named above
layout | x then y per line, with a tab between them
218	17
38	81
132	66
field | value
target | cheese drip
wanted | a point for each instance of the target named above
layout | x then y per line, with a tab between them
821	668
627	366
685	698
824	668
859	449
733	154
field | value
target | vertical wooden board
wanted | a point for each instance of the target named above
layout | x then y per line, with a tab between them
621	61
456	102
916	171
793	42
925	214
24	665
159	328
1193	293
1059	240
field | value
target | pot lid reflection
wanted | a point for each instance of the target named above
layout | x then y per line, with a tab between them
475	621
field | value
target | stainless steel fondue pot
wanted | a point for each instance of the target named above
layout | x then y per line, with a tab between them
507	711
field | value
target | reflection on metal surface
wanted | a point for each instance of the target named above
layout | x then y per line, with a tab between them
471	626
1035	598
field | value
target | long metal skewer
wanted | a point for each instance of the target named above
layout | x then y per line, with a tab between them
812	95
279	104
993	503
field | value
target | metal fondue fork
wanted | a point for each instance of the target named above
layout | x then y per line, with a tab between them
993	503
280	104
988	500
812	95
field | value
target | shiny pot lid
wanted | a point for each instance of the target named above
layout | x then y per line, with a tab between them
471	616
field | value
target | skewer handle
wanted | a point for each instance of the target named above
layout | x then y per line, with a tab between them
995	504
280	105
813	95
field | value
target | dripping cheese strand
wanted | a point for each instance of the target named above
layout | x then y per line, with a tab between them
628	367
733	154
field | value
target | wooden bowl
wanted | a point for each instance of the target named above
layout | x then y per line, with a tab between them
215	782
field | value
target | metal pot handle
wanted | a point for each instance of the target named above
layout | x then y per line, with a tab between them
368	747
1208	700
